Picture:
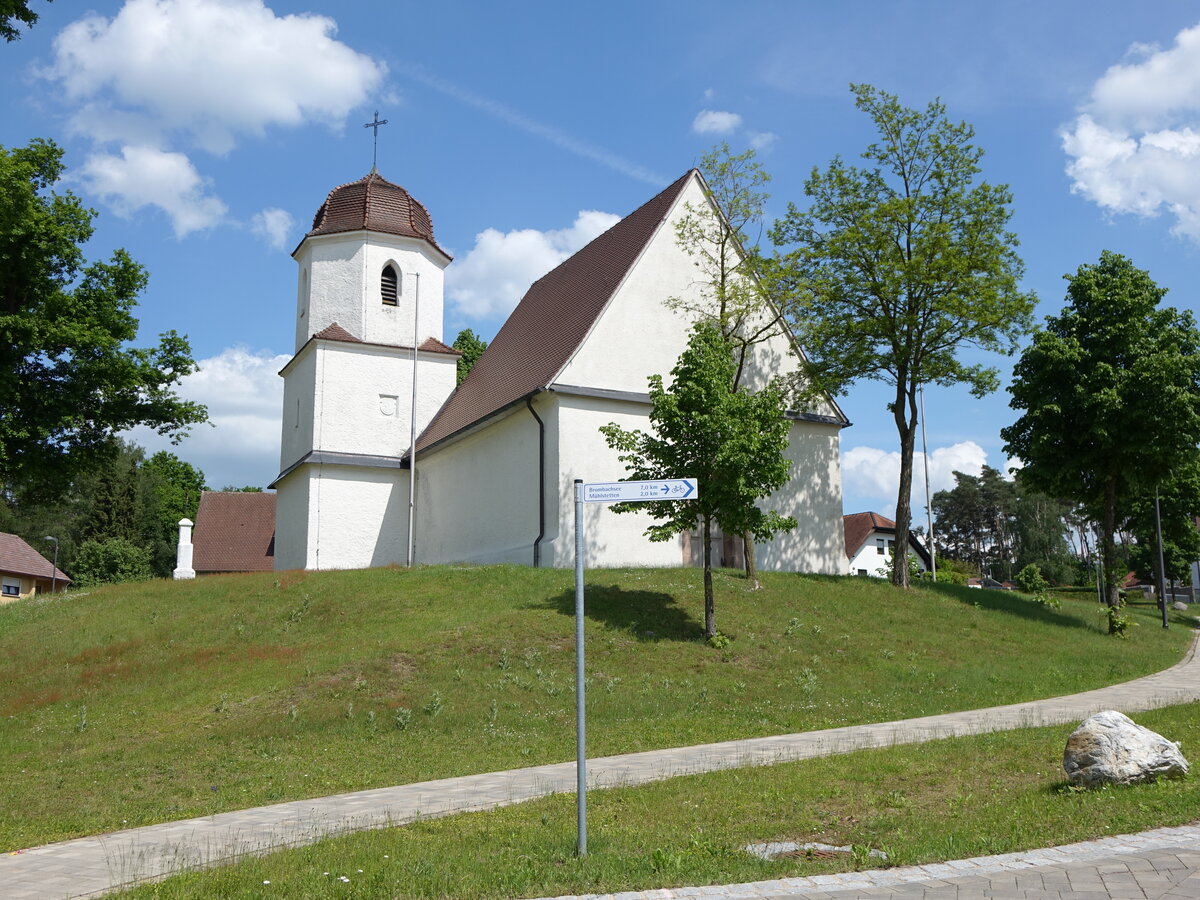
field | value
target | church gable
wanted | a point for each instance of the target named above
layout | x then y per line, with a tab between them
551	321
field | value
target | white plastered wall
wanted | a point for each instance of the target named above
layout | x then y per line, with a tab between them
343	273
477	497
363	396
346	517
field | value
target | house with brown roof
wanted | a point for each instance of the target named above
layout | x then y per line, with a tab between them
384	460
871	541
25	572
235	532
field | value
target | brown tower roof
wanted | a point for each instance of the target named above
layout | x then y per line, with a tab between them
374	204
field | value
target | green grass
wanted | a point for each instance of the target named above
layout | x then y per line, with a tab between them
949	799
165	700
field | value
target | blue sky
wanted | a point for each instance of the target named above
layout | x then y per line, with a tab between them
207	132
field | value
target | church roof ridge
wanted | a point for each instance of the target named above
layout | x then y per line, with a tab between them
552	320
372	203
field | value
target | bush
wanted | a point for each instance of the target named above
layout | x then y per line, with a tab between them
110	561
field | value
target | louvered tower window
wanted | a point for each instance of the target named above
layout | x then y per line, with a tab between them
389	285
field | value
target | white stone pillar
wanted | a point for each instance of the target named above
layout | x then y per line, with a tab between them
183	555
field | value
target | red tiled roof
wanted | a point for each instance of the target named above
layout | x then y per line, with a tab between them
551	321
858	527
235	532
335	332
374	204
18	558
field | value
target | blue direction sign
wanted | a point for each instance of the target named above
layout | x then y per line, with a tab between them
633	491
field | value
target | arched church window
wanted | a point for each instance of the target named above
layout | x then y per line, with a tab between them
389	285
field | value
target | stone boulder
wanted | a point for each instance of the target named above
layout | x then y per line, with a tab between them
1180	606
1110	748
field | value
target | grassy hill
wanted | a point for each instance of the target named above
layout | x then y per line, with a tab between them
164	700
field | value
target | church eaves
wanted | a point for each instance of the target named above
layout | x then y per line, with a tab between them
374	204
551	321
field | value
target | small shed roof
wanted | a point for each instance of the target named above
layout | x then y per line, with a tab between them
235	532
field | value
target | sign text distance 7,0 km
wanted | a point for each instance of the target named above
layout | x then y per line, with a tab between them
633	491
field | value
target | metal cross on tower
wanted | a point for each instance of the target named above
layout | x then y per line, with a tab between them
375	125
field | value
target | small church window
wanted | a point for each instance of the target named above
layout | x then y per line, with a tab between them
390	285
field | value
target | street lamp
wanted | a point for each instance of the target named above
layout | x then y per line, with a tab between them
54	570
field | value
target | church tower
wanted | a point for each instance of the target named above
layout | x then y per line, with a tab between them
368	322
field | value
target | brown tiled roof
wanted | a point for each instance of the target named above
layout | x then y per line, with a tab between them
235	532
433	345
374	204
335	332
551	321
858	527
18	558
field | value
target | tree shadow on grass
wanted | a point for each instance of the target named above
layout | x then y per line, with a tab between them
646	615
1009	602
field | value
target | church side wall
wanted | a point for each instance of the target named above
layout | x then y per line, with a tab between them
813	495
611	540
364	395
477	498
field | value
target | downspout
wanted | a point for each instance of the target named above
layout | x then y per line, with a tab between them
537	543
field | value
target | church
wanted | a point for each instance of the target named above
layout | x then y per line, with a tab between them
384	461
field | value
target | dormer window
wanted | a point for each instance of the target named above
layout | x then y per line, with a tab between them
389	285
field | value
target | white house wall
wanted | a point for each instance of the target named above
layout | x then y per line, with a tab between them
364	394
813	496
346	517
477	498
637	335
299	401
339	281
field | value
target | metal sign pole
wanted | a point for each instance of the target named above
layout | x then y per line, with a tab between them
605	492
580	753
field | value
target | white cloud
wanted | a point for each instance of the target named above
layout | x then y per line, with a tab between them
145	176
712	121
244	396
1135	145
273	225
762	140
208	69
498	270
874	474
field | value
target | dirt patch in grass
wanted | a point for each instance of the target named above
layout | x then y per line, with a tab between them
31	700
108	651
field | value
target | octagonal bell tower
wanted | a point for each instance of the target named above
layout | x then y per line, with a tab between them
369	371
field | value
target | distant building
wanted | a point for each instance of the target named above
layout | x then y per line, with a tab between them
871	540
235	532
25	572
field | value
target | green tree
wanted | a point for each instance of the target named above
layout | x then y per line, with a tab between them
1179	502
110	561
897	267
174	488
721	237
18	11
471	347
1110	393
731	442
68	379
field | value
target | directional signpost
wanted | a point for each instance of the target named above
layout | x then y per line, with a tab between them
605	492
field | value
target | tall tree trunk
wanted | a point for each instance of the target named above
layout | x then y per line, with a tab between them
710	614
905	413
1108	550
751	563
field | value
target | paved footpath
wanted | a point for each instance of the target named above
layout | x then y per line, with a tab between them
95	865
